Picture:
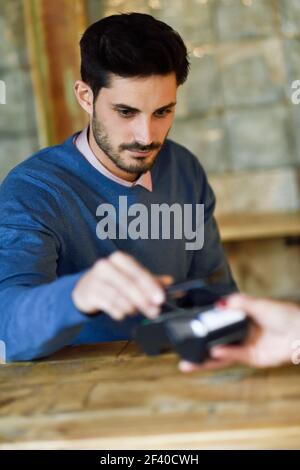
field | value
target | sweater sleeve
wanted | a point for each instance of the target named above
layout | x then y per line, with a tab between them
38	316
209	263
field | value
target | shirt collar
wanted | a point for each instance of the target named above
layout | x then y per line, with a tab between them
82	143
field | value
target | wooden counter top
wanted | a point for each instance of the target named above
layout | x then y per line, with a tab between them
111	396
238	227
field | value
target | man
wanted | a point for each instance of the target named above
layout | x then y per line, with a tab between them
274	337
70	273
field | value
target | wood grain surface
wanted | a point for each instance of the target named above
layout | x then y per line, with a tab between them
111	396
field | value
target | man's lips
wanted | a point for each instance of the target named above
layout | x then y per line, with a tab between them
140	153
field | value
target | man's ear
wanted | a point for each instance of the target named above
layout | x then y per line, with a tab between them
84	96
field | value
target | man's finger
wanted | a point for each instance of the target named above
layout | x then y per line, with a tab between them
139	275
129	289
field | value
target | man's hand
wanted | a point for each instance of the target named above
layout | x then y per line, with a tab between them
120	286
276	327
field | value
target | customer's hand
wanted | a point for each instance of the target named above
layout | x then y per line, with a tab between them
275	331
119	286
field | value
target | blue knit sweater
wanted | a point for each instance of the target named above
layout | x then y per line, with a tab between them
48	238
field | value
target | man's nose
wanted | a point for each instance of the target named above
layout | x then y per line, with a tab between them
143	131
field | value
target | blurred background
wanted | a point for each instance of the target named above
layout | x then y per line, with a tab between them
235	112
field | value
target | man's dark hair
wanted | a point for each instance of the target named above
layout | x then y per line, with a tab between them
131	45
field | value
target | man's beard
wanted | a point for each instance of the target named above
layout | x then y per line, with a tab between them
143	164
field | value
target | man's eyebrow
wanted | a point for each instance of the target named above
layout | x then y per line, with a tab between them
170	105
130	108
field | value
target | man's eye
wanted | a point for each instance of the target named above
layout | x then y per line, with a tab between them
163	112
125	112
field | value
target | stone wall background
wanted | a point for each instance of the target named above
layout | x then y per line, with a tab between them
18	126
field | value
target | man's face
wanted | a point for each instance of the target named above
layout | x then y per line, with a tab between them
132	118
